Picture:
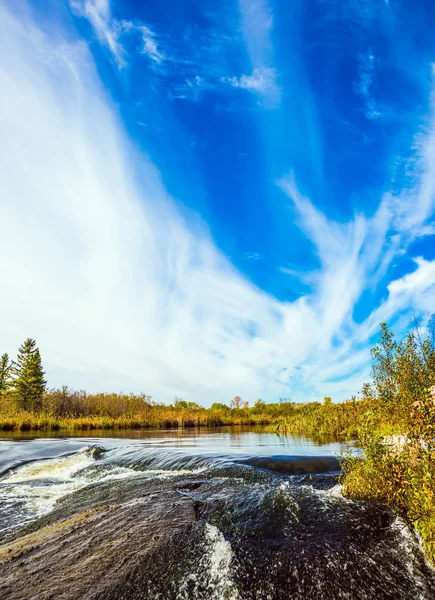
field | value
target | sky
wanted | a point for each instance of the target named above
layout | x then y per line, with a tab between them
207	199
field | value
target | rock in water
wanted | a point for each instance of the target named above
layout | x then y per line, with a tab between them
102	551
235	532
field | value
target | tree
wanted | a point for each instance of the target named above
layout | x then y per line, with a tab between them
236	402
402	372
384	367
5	374
327	400
185	404
29	383
219	406
367	391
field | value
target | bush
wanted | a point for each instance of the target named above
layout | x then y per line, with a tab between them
400	476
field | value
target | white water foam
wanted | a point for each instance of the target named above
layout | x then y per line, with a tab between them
33	490
409	542
61	469
213	579
36	487
329	496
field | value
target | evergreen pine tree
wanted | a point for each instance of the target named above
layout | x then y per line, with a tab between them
5	379
29	383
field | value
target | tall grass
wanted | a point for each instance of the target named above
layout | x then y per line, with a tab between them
76	410
334	420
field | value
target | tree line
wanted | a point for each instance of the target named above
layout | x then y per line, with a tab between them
23	378
402	373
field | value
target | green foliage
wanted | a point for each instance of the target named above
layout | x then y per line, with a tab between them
384	367
340	421
396	477
28	383
398	473
402	372
5	374
218	406
186	405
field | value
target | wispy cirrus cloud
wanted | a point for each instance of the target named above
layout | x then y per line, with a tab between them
356	255
363	87
149	45
127	293
198	68
110	31
190	89
106	29
253	256
415	289
263	82
115	251
257	26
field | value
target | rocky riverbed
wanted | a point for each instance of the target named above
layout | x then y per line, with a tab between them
169	526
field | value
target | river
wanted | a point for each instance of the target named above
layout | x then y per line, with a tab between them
232	514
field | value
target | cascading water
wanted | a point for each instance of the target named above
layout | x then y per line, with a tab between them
33	489
184	525
213	577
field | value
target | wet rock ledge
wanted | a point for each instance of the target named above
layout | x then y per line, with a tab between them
233	533
107	542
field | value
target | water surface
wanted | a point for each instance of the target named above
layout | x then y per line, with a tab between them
270	521
19	447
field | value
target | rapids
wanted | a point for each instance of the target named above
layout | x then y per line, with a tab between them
256	518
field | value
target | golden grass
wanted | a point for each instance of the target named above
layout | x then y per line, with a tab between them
77	411
167	418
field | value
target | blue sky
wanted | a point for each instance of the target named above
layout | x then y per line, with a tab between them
208	199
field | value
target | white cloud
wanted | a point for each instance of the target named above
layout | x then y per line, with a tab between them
354	256
262	82
109	30
190	89
363	87
414	290
416	205
253	256
257	25
98	14
110	280
120	292
149	44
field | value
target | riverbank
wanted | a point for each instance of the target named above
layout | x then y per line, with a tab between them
399	478
66	410
341	421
